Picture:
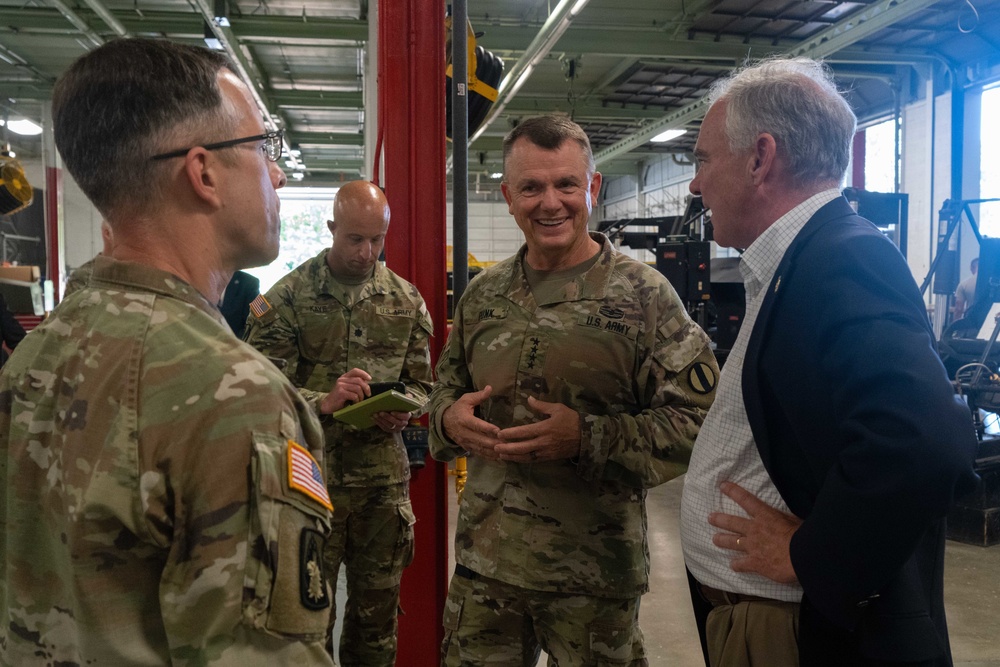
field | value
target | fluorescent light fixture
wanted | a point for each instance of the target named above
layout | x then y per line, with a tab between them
298	175
24	127
290	164
663	137
496	174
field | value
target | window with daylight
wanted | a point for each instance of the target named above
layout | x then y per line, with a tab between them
989	162
880	156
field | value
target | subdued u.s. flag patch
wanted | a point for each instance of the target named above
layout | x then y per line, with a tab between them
304	475
259	306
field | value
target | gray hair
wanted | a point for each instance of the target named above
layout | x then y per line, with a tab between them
549	132
796	101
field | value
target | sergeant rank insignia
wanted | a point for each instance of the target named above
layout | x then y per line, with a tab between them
313	591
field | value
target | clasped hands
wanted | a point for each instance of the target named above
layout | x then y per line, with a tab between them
554	437
352	387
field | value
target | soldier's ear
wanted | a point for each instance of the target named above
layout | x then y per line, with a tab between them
331	225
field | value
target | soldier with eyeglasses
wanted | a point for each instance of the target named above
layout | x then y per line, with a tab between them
163	500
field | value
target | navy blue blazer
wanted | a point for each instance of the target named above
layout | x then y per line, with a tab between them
859	427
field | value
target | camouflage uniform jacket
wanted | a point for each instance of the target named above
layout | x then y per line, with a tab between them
618	347
320	338
147	516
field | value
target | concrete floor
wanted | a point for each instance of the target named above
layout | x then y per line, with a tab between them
972	594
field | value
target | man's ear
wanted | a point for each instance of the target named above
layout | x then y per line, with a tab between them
505	189
763	159
203	171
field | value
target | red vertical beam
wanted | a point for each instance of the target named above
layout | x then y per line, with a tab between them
53	197
858	164
412	116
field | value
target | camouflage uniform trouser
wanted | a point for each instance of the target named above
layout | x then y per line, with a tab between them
487	622
373	537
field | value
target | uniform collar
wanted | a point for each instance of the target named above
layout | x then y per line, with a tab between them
149	279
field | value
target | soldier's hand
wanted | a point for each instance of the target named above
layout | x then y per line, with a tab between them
474	435
351	387
761	540
391	422
555	437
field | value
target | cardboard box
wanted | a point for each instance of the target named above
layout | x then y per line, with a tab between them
26	274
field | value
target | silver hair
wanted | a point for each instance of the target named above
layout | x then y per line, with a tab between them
796	101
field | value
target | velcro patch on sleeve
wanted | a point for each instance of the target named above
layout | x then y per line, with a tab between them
305	476
313	588
259	306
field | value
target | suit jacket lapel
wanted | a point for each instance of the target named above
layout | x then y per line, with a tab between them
838	208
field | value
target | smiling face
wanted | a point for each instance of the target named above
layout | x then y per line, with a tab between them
551	194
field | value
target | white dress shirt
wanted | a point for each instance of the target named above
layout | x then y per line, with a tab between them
725	448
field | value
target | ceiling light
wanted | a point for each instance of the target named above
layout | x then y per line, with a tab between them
496	174
663	137
24	127
298	175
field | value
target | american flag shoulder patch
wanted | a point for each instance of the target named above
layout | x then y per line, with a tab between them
304	475
259	306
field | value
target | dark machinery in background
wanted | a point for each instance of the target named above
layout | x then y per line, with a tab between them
969	350
712	289
681	244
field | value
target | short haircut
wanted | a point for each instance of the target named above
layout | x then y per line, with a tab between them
548	132
796	101
128	100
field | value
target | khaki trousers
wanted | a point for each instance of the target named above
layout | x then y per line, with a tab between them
751	632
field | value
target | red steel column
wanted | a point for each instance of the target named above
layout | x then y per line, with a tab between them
412	115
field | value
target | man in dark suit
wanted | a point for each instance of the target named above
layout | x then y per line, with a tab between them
813	509
241	290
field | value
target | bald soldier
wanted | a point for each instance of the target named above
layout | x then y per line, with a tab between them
342	321
158	493
575	380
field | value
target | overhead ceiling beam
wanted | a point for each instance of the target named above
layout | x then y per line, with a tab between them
329	139
623	42
856	27
107	17
247	28
534	104
245	66
77	22
553	29
318	99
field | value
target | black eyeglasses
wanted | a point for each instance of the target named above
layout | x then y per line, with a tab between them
272	146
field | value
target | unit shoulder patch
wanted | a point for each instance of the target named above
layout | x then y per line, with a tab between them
313	590
702	378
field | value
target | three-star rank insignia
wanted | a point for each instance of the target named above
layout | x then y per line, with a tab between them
702	378
313	590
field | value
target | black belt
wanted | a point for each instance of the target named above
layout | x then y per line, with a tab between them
465	573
